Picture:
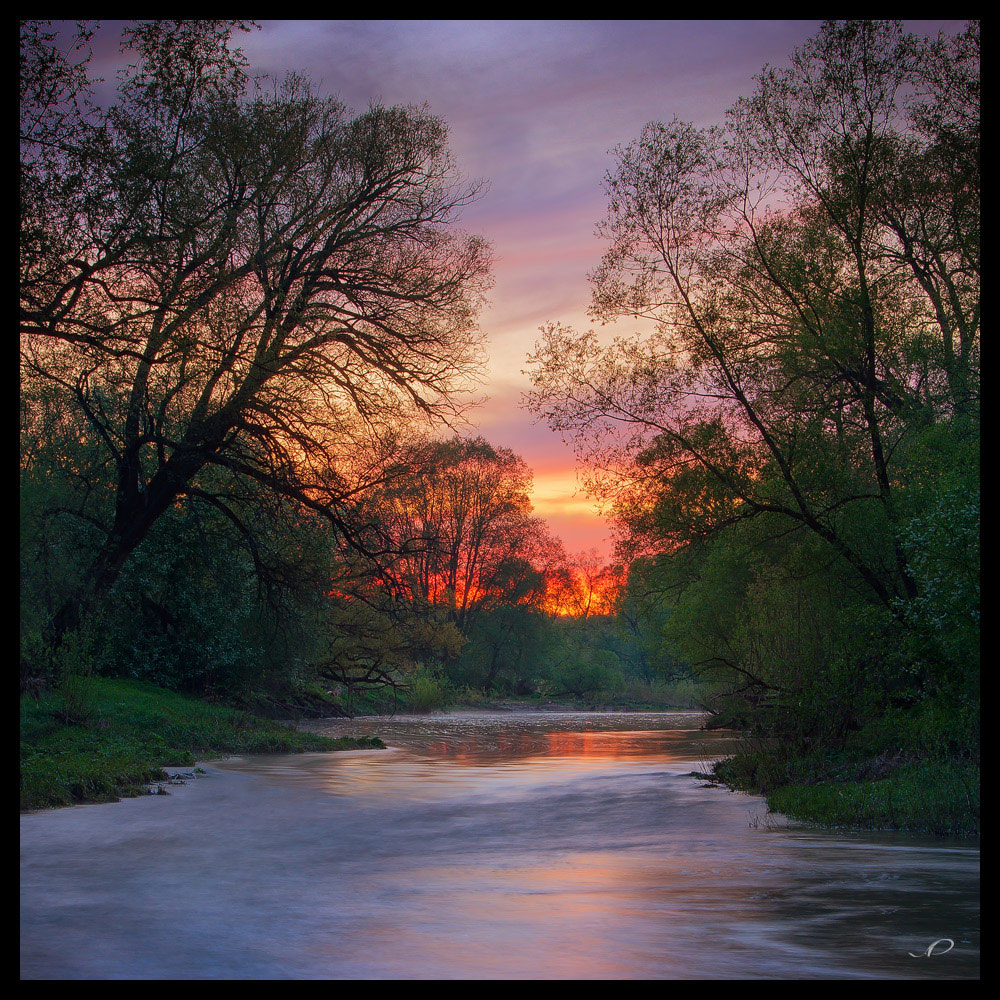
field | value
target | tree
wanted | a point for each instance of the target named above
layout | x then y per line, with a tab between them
244	283
814	312
584	585
459	513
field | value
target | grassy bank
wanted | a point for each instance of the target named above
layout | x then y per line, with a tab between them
925	796
96	740
926	780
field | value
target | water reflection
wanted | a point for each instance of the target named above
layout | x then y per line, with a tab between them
486	739
434	756
522	846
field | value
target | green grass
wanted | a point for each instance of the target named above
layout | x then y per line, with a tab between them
97	740
929	796
844	788
913	769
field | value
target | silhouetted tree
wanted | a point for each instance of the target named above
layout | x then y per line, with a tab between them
235	281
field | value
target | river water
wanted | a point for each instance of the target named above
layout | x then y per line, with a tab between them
521	845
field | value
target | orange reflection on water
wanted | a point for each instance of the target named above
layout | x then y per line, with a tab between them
592	746
430	759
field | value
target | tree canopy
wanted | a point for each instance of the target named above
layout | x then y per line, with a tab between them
234	281
812	269
807	404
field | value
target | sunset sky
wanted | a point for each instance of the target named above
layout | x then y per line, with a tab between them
533	107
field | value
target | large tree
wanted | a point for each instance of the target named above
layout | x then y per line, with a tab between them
234	281
812	271
459	513
470	571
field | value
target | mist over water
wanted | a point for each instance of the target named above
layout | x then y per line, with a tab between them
523	845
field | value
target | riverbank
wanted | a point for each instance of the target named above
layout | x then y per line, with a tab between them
896	790
98	740
426	694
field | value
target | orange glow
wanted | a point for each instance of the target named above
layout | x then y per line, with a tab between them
583	590
578	591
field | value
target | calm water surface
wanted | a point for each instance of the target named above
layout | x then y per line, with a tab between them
522	845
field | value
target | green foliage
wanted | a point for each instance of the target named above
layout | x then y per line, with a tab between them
507	649
932	796
792	454
940	536
793	450
220	377
891	792
74	702
426	692
186	613
906	768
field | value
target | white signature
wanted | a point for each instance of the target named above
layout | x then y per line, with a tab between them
930	948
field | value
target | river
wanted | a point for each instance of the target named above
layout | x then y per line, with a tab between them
516	845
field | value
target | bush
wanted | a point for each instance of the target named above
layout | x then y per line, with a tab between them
427	693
